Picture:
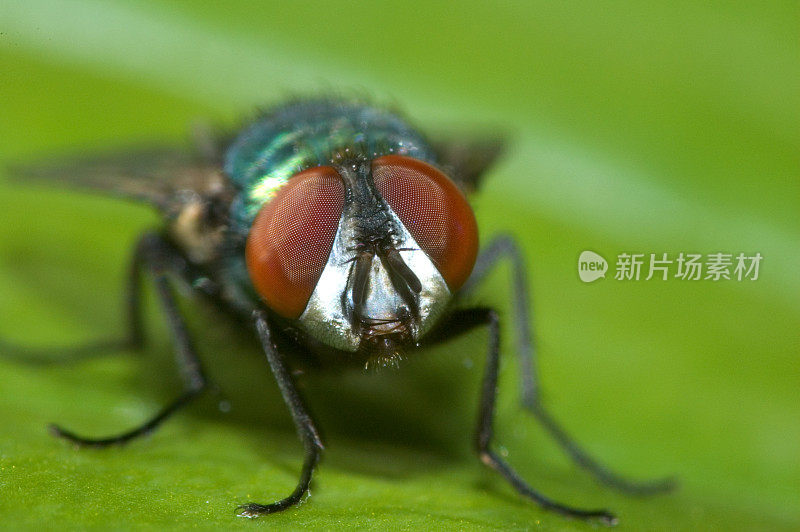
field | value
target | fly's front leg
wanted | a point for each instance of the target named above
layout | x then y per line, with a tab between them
504	247
306	427
460	322
157	258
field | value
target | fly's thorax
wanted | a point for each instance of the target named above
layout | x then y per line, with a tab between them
305	134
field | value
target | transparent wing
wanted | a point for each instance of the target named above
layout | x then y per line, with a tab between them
467	158
165	177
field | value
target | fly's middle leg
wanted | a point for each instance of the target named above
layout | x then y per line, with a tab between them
504	247
460	322
156	258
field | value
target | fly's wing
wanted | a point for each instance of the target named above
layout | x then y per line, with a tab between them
189	189
165	177
466	159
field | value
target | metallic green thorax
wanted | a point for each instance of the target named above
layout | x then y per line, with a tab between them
308	134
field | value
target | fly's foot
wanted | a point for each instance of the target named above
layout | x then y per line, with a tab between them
489	458
253	509
602	473
79	441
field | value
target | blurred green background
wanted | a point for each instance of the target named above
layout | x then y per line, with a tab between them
636	127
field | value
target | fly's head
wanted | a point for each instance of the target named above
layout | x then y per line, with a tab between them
364	254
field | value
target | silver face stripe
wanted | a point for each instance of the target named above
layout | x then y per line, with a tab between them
326	317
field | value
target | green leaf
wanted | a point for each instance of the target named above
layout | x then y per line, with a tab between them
644	128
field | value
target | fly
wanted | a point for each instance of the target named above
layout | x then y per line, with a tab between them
334	227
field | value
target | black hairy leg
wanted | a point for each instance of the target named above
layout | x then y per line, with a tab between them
157	259
504	247
462	321
304	423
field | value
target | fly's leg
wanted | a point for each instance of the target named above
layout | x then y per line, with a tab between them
157	258
306	427
462	321
133	339
502	247
47	355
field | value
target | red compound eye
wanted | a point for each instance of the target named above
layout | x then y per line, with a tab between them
433	210
291	239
